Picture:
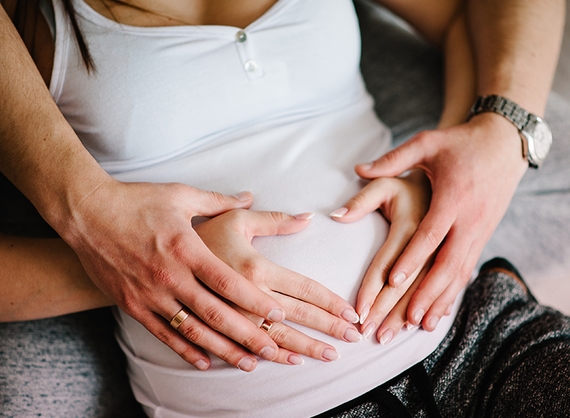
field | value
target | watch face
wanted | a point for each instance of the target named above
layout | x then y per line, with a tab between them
541	140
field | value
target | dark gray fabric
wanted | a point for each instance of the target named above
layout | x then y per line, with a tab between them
68	366
71	366
505	356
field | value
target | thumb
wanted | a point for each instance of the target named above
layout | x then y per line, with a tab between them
260	224
208	203
405	157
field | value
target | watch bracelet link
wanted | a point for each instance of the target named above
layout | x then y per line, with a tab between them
503	106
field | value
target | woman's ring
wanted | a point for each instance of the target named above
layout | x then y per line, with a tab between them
266	325
179	318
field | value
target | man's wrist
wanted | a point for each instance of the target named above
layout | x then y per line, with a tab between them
536	137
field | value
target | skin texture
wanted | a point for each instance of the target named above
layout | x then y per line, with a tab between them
515	50
151	274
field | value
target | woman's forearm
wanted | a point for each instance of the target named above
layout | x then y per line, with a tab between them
459	70
41	278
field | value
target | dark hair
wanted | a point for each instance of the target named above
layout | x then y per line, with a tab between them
25	17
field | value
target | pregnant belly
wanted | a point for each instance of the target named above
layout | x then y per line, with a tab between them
306	166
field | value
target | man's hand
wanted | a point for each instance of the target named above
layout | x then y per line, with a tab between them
474	169
137	244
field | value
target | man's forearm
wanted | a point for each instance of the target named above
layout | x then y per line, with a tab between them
39	152
516	44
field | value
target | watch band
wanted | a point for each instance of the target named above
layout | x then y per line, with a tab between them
503	106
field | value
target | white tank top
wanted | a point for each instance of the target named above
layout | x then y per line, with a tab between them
278	108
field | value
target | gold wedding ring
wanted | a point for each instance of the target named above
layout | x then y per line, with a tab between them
179	318
266	325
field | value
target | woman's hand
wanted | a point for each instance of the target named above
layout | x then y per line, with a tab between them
403	202
474	169
306	302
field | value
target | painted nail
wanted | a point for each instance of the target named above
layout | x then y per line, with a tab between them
339	213
364	313
268	353
399	279
330	354
246	364
432	322
352	336
365	166
304	216
418	315
349	315
201	365
276	315
386	337
295	359
370	328
242	196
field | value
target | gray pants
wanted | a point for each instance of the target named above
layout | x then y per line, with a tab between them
71	366
505	356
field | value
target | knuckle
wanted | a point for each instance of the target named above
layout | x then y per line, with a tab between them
357	201
225	285
129	305
237	216
314	348
392	157
164	278
307	289
251	268
279	335
300	313
226	354
193	333
249	342
218	199
188	354
336	329
213	317
162	335
433	237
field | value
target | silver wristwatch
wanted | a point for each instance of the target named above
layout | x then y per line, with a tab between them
534	131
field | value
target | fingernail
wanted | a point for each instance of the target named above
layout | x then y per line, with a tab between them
349	315
365	166
295	359
304	216
432	322
330	354
409	326
364	313
268	353
352	336
246	364
399	279
201	365
418	315
276	315
386	337
448	310
370	328
339	213
242	196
